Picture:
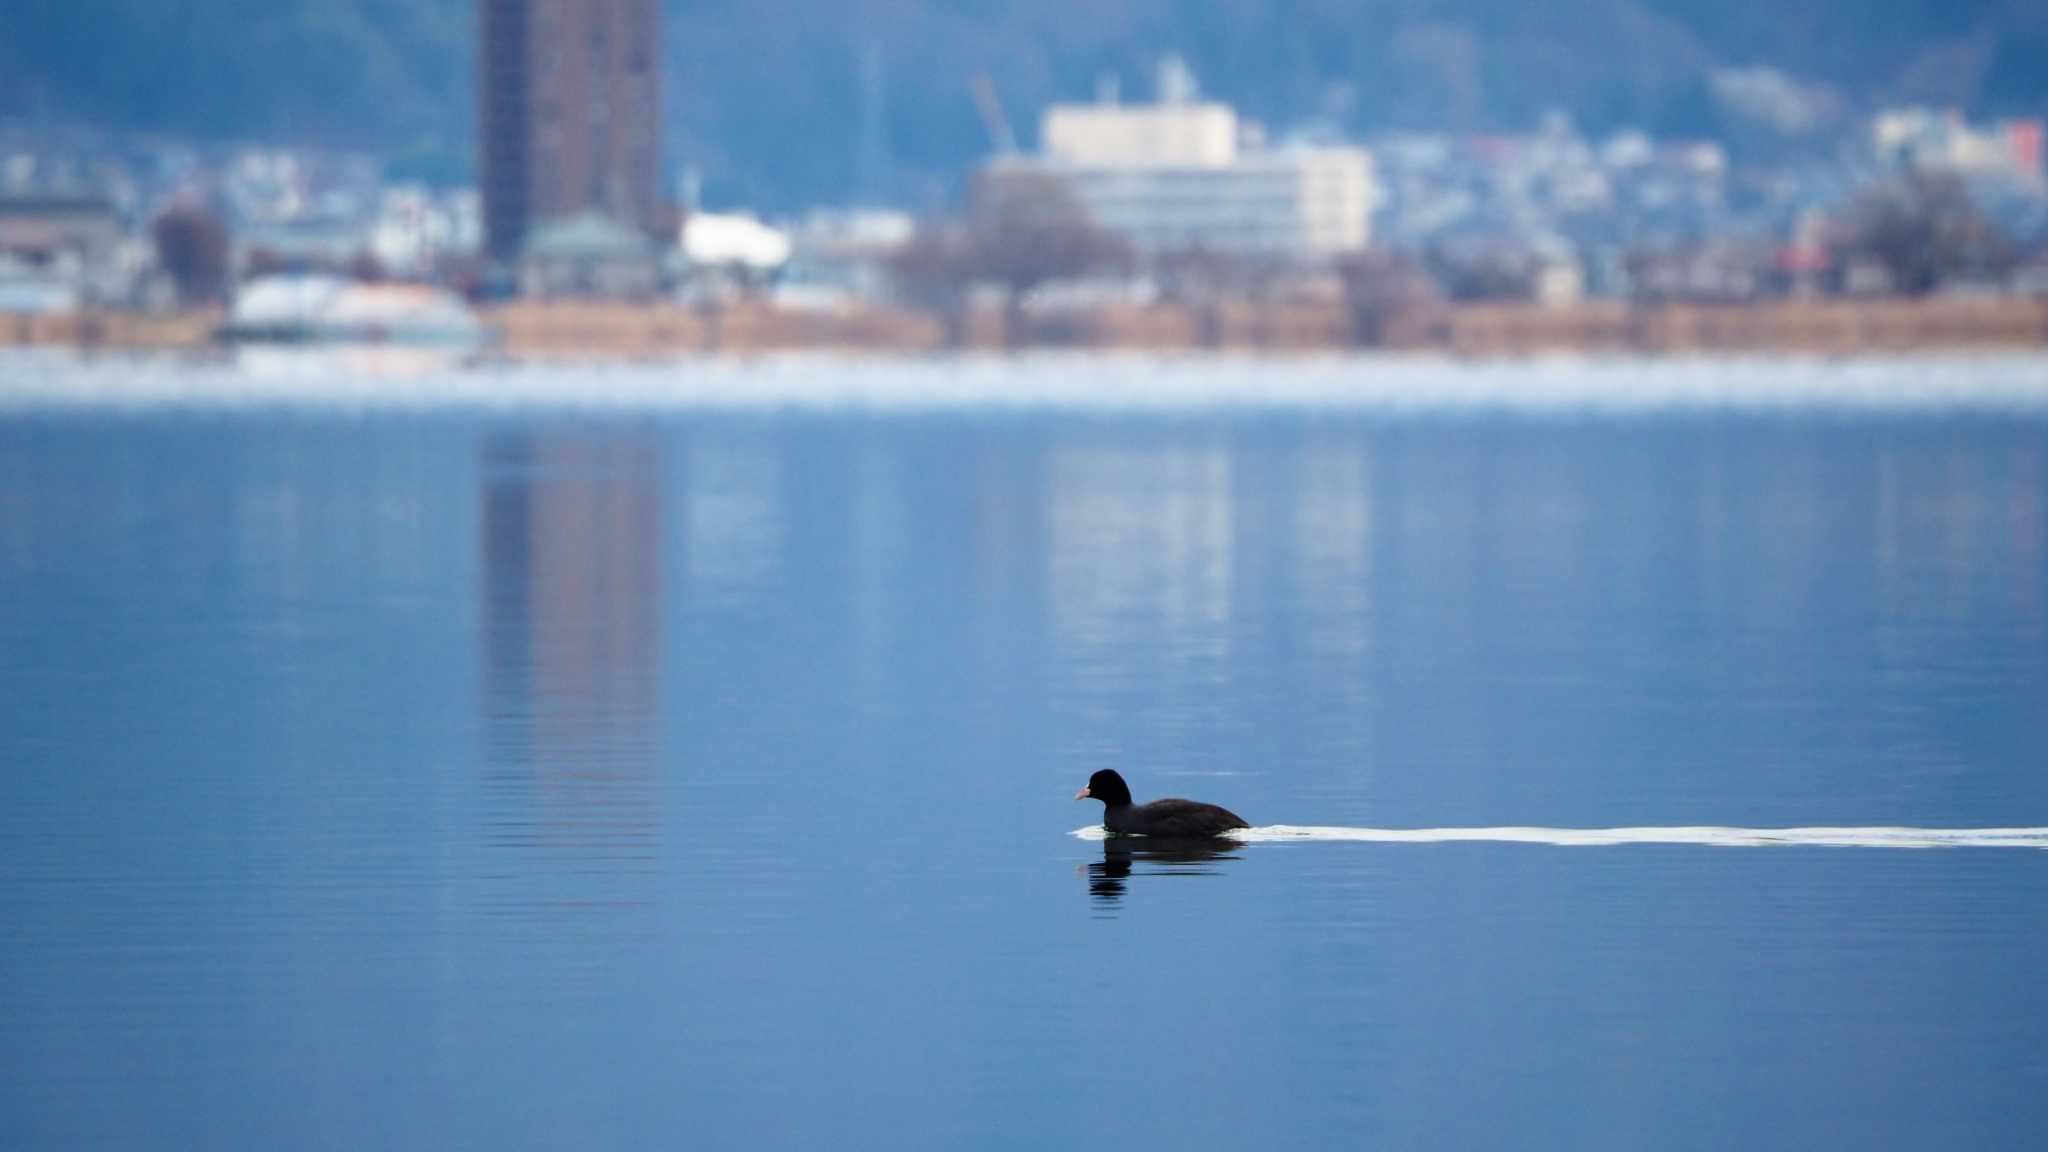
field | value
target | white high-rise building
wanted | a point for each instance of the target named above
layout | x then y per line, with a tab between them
1184	175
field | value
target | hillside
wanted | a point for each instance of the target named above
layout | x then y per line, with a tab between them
765	96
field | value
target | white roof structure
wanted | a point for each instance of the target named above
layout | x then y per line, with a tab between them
1141	135
1184	175
322	308
734	240
275	302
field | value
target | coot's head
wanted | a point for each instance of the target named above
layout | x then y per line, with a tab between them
1107	787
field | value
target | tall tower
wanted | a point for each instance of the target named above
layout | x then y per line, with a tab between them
569	114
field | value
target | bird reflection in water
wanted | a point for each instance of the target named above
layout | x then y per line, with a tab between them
1123	855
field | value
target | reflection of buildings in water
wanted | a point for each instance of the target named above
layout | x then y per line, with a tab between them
1008	537
2026	510
1946	521
732	517
1888	535
269	525
1937	515
572	651
1788	522
1140	539
880	540
1542	550
1432	535
1330	570
306	502
20	526
1333	545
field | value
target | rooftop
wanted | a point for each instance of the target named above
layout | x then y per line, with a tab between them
587	235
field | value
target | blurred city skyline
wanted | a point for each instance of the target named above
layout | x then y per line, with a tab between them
789	104
913	176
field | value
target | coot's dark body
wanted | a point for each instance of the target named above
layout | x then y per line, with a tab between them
1161	819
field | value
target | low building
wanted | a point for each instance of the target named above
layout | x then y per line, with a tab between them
1184	176
59	248
734	240
1193	135
2030	277
304	245
26	290
839	256
1713	273
417	231
1926	140
297	309
589	256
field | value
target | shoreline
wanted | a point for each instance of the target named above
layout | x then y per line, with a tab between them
1984	381
1280	328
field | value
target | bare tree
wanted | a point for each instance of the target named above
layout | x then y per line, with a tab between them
365	268
1482	269
1381	288
1028	228
931	272
264	261
192	246
1927	230
1199	279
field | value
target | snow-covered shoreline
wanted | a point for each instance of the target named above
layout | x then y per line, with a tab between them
402	379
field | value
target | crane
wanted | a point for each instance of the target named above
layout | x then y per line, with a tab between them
991	108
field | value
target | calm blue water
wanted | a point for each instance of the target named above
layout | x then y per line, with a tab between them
431	781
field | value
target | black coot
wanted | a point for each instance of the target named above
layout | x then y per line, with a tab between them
1183	819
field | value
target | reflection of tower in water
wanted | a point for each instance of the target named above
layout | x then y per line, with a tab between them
572	655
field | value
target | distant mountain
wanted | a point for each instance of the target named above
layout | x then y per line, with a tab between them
770	99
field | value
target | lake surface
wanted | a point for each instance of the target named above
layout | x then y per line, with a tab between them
700	776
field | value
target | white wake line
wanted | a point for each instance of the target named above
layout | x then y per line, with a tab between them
1871	837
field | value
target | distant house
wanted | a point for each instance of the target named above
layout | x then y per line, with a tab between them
2030	278
586	256
310	244
1703	274
26	290
56	249
837	256
294	309
725	255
